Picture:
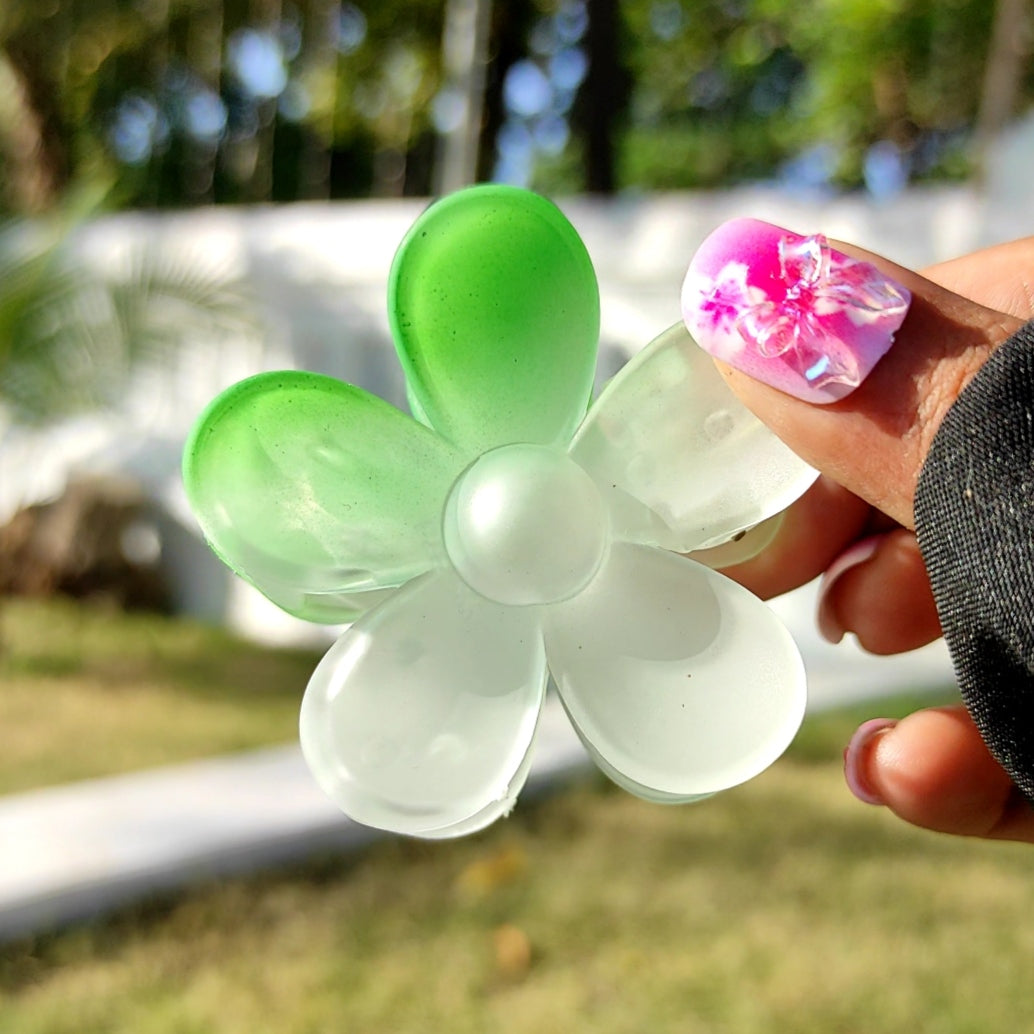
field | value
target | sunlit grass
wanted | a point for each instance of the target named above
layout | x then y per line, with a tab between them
86	692
89	692
782	906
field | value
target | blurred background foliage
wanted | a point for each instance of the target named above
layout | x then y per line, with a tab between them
73	335
185	102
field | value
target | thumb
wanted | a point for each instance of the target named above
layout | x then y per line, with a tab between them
852	360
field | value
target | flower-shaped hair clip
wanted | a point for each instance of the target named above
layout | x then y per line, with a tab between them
502	535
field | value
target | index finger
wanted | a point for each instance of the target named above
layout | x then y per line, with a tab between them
779	323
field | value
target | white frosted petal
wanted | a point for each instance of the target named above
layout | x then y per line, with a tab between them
682	462
681	682
420	718
742	547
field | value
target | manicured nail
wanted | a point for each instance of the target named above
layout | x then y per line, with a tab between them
790	311
855	556
858	756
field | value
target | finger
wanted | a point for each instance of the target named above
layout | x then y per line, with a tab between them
872	441
932	769
1000	277
879	590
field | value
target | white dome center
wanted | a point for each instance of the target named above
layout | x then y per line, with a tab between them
524	525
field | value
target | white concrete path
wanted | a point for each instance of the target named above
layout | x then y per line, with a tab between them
72	852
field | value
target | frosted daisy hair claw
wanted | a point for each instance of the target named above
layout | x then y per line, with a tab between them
502	534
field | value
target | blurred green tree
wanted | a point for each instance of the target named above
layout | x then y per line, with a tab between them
192	101
729	90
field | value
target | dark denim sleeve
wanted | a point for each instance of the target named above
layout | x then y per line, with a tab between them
974	513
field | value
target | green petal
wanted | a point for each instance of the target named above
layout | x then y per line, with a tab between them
494	308
317	492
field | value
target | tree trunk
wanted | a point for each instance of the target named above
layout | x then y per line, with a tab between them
464	58
604	96
34	160
1006	60
507	44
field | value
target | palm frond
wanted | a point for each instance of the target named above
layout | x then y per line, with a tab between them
72	337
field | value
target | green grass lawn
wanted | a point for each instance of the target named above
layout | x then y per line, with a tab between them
88	692
782	907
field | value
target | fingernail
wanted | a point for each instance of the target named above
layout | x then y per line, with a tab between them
829	625
858	757
790	311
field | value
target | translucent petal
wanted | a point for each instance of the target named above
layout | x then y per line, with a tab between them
742	547
494	308
317	492
420	718
680	682
804	261
683	464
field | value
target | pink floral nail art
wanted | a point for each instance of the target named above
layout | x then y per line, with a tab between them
790	311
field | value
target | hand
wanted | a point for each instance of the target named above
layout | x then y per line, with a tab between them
855	527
